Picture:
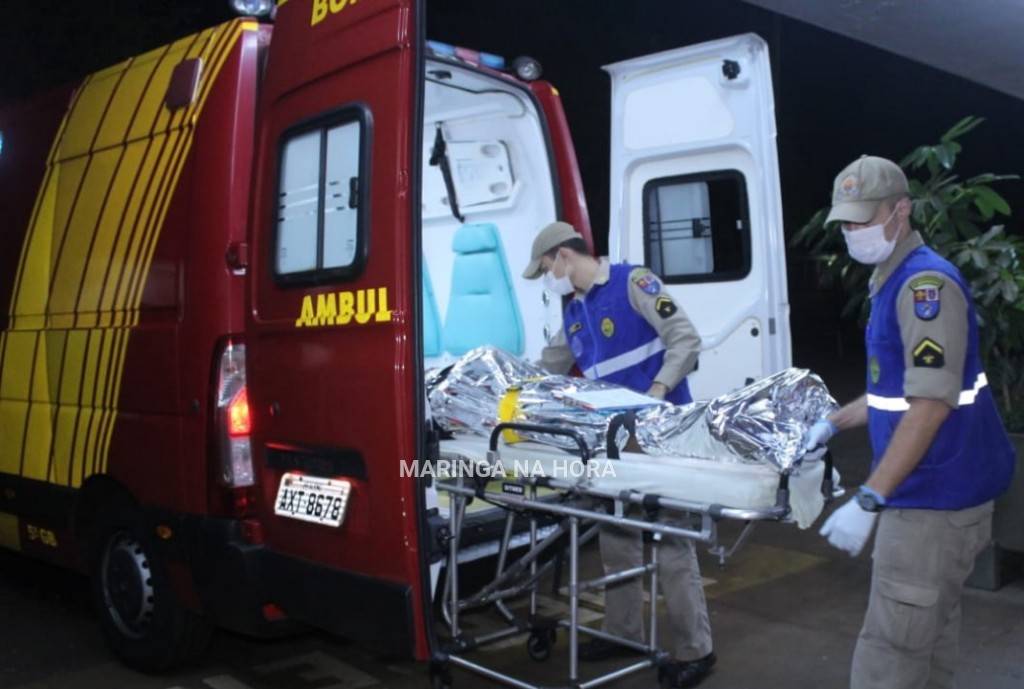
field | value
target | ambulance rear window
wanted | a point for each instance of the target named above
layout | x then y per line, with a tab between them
696	227
319	208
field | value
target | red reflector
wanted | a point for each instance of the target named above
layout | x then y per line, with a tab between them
238	414
271	612
242	500
252	531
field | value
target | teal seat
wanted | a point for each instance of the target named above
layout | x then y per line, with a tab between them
431	319
482	308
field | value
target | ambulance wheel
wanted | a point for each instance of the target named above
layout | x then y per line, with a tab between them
139	612
540	643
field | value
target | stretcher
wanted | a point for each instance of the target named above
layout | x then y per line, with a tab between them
565	496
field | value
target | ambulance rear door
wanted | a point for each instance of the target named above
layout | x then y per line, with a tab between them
332	349
695	196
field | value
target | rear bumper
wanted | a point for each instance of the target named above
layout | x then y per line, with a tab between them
236	582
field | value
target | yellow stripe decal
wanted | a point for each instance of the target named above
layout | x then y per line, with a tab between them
112	171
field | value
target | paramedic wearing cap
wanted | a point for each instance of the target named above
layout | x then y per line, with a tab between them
621	327
940	451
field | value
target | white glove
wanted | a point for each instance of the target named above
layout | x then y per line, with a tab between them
819	434
849	527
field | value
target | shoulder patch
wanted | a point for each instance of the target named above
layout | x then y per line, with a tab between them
665	307
929	354
926	296
575	327
645	280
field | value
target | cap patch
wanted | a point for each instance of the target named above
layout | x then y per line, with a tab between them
665	307
849	188
646	281
926	297
929	354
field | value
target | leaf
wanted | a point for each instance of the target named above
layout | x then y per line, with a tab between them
989	202
1010	291
962	127
946	155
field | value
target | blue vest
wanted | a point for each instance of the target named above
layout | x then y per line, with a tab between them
971	460
612	342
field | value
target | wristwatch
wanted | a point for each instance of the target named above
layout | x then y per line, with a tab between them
869	500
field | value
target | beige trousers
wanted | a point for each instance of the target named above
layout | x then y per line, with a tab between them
680	583
911	633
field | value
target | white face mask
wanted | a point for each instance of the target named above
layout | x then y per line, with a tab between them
868	244
561	286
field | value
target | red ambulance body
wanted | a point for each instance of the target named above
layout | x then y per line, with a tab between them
225	267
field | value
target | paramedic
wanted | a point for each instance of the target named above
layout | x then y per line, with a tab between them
622	328
940	451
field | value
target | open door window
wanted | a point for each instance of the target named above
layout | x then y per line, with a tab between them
697	228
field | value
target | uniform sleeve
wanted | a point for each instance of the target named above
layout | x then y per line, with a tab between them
932	313
557	357
648	298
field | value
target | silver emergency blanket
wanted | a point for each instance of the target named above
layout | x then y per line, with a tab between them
488	385
764	422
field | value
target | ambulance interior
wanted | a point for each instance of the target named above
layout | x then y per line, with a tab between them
485	160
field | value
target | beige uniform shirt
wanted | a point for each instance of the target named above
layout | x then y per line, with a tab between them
934	349
682	343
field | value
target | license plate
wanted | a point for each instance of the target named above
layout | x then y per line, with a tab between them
312	499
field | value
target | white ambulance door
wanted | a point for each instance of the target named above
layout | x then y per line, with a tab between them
695	196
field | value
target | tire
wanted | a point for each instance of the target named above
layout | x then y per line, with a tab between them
540	643
142	619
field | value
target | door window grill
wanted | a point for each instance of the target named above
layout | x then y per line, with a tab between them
696	227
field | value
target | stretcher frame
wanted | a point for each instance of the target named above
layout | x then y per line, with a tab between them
579	513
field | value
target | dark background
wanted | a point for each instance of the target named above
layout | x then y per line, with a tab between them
835	98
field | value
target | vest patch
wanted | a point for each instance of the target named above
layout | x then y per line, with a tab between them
575	327
875	368
926	297
665	307
607	327
643	279
928	354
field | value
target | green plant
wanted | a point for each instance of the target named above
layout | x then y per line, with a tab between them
957	218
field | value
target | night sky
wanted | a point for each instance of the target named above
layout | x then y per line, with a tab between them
835	99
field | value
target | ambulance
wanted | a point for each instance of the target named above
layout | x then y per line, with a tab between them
227	265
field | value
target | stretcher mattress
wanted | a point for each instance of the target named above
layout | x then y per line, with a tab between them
738	485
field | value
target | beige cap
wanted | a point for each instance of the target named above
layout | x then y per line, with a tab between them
547	239
864	184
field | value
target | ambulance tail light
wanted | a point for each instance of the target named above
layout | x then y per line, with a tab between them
239	424
232	421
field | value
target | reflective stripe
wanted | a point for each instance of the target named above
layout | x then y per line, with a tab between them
900	403
625	360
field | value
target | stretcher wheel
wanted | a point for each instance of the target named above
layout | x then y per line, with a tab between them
540	643
440	676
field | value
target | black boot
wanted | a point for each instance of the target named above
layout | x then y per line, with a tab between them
680	674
